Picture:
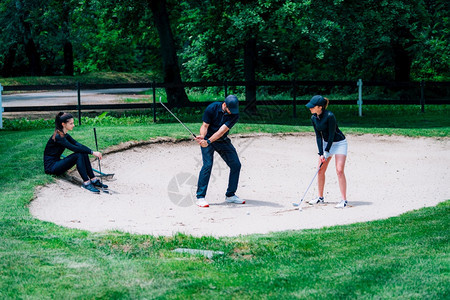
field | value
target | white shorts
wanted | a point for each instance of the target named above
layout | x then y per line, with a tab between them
337	147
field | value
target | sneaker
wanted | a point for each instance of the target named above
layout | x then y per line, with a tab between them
201	202
317	200
234	199
341	204
99	184
90	188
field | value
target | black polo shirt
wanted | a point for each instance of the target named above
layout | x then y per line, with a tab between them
216	117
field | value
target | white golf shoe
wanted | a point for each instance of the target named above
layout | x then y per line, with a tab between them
234	199
341	204
317	200
201	202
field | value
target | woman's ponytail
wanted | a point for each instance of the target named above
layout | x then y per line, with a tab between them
58	123
327	103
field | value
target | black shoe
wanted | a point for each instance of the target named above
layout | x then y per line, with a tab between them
90	187
99	184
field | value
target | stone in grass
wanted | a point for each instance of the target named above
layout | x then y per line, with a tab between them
206	253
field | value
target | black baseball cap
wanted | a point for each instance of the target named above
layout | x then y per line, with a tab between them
232	103
317	100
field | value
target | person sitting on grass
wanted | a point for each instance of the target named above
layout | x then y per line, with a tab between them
61	140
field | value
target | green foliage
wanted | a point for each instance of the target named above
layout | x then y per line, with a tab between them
323	40
24	123
107	40
310	40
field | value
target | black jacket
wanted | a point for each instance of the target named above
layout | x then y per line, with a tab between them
55	148
326	129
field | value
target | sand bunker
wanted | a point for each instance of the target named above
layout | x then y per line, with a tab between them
155	187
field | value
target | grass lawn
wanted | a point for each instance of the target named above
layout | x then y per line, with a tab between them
401	257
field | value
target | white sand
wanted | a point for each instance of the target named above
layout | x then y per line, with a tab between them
156	184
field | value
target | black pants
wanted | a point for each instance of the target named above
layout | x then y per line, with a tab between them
228	153
80	159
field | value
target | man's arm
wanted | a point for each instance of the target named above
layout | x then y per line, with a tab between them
204	129
219	133
203	132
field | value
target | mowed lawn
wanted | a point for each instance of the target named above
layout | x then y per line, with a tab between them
403	257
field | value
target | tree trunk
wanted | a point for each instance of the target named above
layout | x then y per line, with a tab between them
30	47
33	57
250	55
8	64
68	59
68	49
402	63
176	96
402	57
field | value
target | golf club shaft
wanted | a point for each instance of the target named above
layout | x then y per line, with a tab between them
177	118
317	172
96	146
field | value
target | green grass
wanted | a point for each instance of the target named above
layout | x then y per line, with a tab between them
401	257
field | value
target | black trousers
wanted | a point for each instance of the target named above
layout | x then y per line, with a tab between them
80	159
228	153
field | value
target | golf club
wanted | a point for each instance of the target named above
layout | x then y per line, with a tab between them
99	166
300	203
177	118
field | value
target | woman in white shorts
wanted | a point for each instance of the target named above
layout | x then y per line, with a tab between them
330	141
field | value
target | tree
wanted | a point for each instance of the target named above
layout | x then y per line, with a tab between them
175	95
67	44
222	42
228	40
433	61
18	35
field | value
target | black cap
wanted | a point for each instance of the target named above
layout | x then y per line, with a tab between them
317	100
232	103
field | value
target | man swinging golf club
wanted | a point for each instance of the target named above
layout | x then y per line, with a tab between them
218	119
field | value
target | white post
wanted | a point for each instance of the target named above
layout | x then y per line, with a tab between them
1	108
360	96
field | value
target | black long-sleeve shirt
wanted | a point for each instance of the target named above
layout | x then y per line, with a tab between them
55	148
326	129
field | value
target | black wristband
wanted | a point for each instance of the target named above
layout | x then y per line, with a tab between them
208	141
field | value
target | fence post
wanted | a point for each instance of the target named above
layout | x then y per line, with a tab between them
422	95
360	84
154	101
79	103
294	98
1	108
